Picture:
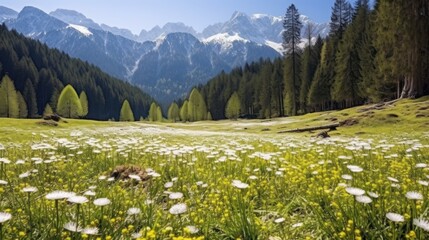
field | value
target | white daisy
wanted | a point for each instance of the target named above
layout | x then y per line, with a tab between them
90	230
279	220
29	189
3	182
4	217
133	211
346	177
423	183
363	199
297	225
57	195
393	179
421	165
395	217
192	229
176	195
414	195
77	199
72	227
373	194
239	184
102	202
178	209
354	168
89	193
136	235
135	177
421	223
355	191
168	184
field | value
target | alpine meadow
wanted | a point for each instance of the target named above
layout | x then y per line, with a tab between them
260	127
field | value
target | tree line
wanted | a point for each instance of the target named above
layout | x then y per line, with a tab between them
37	75
370	55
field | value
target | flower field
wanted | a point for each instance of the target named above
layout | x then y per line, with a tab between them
58	184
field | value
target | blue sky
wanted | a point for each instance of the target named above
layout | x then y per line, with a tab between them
145	14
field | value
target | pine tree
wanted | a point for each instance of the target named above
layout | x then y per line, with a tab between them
69	105
48	110
233	107
184	111
291	38
309	65
30	98
126	114
340	17
173	112
23	111
8	99
84	102
197	109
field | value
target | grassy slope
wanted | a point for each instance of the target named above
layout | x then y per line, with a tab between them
396	118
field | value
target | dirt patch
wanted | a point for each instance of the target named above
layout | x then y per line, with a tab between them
392	115
349	122
47	123
124	172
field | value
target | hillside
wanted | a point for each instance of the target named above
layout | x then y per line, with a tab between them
40	73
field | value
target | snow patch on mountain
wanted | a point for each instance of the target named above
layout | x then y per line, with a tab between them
84	30
225	40
275	45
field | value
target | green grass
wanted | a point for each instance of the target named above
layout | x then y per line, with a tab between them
239	179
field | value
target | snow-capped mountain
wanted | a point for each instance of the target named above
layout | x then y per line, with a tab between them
7	13
158	32
166	67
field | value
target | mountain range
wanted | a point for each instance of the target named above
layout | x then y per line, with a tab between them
165	61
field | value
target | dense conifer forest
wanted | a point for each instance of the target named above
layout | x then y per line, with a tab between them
370	55
39	74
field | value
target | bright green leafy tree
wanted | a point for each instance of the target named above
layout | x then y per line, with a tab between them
233	107
197	109
184	112
69	105
23	111
173	112
84	102
9	106
126	112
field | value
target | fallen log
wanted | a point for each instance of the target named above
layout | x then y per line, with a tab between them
331	127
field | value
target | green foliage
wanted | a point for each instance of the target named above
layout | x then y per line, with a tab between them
9	106
174	112
69	105
233	107
23	111
153	112
184	112
159	116
84	103
126	114
209	116
48	110
197	109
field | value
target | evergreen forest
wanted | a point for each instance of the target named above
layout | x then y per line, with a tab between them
371	55
35	75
